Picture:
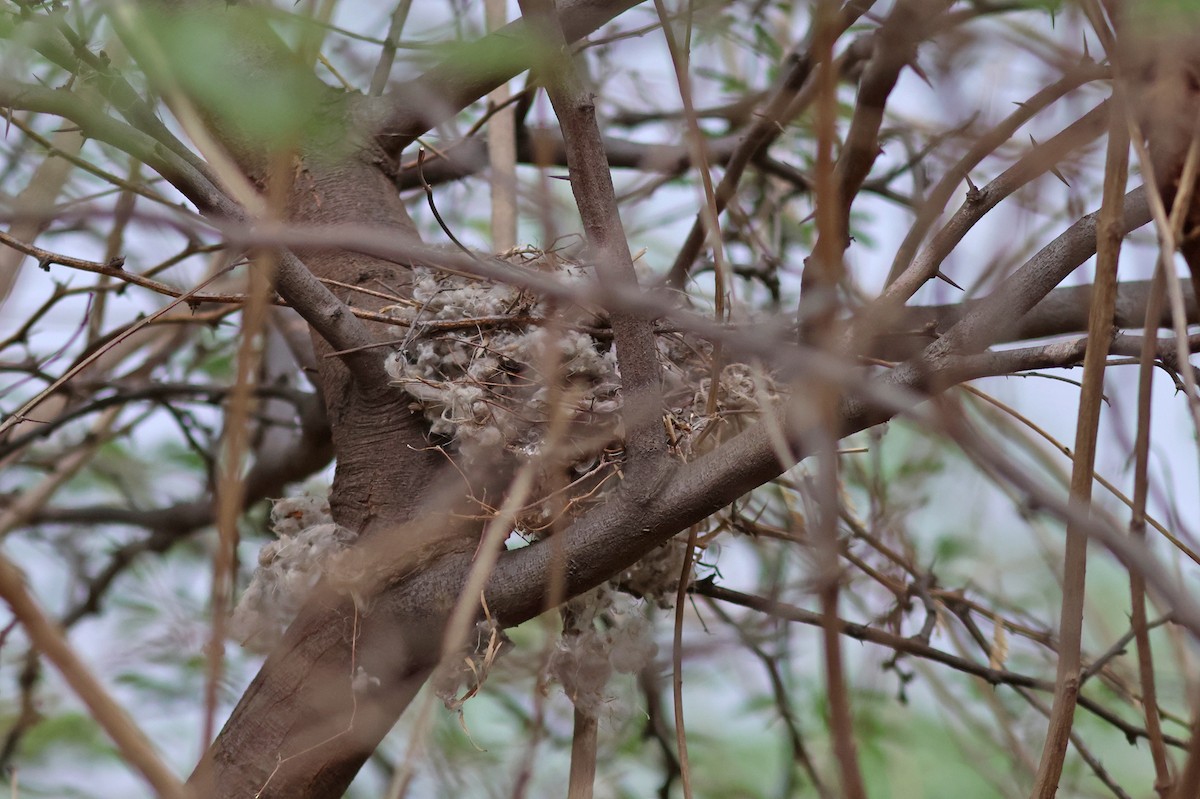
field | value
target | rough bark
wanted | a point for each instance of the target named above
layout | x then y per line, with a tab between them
300	729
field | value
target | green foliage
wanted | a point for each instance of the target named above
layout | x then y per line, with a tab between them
728	83
72	729
1164	10
897	468
207	61
1051	7
766	44
478	62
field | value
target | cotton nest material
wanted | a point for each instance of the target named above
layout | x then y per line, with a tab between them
305	549
475	361
483	385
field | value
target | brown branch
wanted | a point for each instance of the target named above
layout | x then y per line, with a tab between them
1061	312
862	632
271	472
1163	781
319	307
984	146
387	56
786	101
784	703
83	363
998	315
602	543
1100	330
736	112
915	647
982	323
542	147
1060	354
400	638
1039	160
37	199
896	46
591	183
132	743
1100	711
116	269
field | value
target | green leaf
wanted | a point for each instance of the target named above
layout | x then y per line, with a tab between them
70	728
241	77
766	43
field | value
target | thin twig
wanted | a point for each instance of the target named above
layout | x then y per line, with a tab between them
1163	780
19	415
1100	330
685	576
433	206
383	67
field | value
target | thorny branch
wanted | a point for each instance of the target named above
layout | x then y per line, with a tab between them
899	359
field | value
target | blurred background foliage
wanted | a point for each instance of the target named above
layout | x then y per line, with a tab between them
919	516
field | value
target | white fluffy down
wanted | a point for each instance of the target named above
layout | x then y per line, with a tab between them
476	364
482	381
482	384
288	568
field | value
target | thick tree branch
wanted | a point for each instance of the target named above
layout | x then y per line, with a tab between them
1062	312
976	324
997	316
1059	354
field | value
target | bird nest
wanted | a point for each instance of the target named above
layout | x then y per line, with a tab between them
488	364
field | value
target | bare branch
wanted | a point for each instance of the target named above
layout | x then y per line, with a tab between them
591	183
1036	162
984	145
789	100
